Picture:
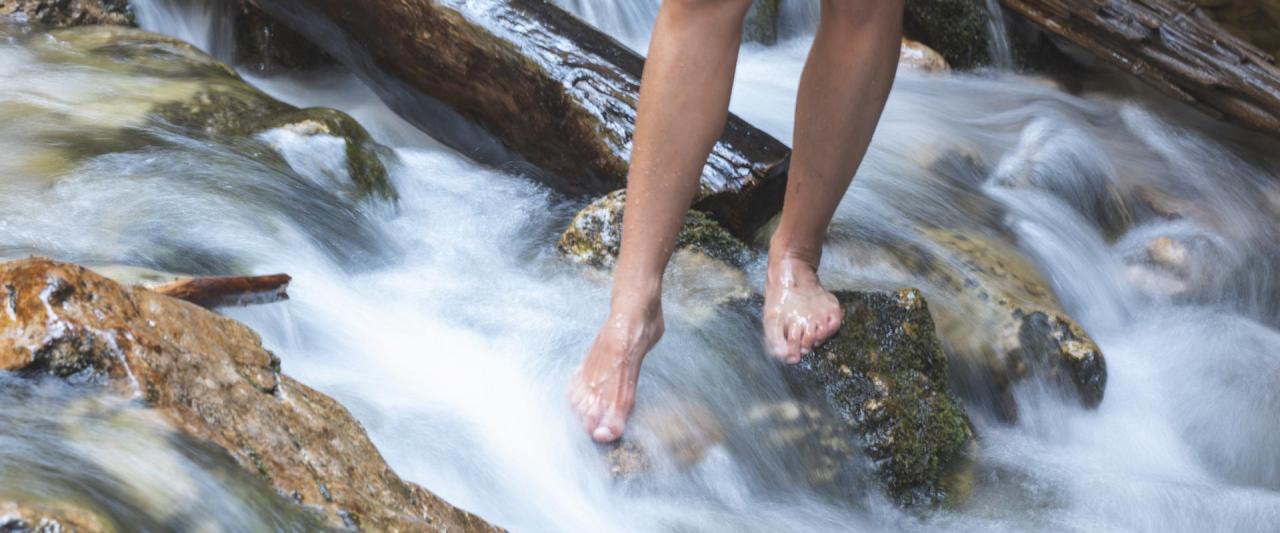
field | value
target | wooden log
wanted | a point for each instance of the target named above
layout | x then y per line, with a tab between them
523	85
227	291
1173	46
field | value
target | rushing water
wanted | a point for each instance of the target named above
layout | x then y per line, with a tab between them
453	338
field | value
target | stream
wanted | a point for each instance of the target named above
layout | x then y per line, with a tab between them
449	325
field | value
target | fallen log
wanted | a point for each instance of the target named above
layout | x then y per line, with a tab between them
523	85
1173	46
227	291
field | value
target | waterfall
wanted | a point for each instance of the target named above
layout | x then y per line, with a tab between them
1000	48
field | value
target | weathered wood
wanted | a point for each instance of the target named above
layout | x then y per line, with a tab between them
1173	46
522	85
227	291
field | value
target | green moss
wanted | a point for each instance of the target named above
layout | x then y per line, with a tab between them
595	235
885	374
243	113
957	29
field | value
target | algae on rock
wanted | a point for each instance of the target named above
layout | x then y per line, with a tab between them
885	375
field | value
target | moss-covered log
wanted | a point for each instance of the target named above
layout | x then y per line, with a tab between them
1173	46
526	86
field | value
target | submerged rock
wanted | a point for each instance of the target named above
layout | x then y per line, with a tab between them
48	517
64	13
1003	321
180	87
211	377
885	376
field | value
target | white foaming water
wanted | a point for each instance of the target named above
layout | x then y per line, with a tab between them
452	340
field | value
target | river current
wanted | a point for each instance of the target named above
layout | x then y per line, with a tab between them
452	333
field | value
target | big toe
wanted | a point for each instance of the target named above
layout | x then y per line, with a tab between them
775	339
609	428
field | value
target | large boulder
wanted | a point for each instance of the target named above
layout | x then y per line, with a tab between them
212	379
64	13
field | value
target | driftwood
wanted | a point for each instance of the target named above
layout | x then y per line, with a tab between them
1175	47
227	291
525	86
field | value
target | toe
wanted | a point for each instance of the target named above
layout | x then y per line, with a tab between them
775	339
809	338
794	335
610	428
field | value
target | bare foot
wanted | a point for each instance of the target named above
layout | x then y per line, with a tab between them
798	313
603	391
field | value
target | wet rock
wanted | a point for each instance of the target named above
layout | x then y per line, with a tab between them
48	517
957	29
595	235
182	88
65	13
761	25
885	376
267	46
211	377
916	55
828	449
1002	322
960	30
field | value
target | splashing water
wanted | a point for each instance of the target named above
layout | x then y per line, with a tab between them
454	353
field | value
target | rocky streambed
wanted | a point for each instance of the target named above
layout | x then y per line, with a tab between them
443	303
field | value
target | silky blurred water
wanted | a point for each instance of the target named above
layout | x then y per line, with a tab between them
451	335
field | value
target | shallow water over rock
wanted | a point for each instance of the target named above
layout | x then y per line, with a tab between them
452	337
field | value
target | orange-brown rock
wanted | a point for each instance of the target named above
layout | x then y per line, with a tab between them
44	517
211	377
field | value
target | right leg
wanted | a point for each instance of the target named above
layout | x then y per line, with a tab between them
684	102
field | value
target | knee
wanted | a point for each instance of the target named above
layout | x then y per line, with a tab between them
857	12
723	9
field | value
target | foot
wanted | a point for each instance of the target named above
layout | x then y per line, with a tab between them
799	314
603	390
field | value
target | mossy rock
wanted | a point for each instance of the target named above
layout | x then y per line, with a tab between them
595	235
957	29
761	25
960	30
885	376
203	97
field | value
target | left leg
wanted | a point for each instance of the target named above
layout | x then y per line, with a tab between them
842	92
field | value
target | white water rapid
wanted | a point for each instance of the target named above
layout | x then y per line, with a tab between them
452	332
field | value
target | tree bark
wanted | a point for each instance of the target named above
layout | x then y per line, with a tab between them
1173	46
227	291
523	85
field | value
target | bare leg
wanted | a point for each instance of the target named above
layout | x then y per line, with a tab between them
842	92
684	102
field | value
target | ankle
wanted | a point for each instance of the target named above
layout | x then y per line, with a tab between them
787	252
